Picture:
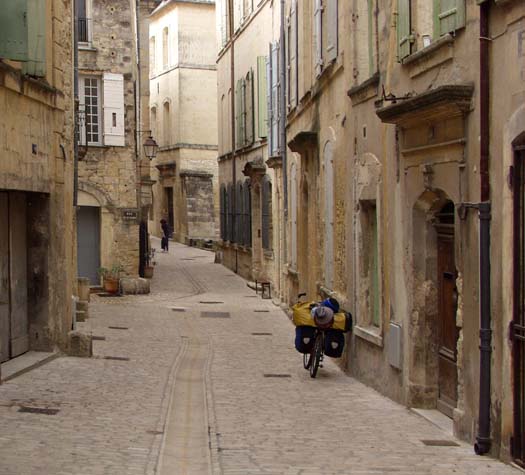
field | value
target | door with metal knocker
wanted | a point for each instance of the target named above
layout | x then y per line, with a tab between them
14	338
518	324
447	305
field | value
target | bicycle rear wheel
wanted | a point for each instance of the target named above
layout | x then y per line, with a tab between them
316	354
307	360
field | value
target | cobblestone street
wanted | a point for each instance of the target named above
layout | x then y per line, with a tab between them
170	381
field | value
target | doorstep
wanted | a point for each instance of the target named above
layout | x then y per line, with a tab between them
24	363
437	418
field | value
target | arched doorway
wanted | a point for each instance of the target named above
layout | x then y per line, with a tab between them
433	331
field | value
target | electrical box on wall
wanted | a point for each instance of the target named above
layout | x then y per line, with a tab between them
395	345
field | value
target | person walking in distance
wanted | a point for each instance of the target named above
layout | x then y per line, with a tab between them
165	235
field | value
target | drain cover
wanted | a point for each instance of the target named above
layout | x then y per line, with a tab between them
440	443
215	314
119	328
39	410
117	358
262	334
100	338
210	301
277	375
262	311
178	309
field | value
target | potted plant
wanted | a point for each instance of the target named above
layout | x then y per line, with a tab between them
110	278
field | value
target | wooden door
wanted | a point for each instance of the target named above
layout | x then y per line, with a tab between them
4	277
18	273
447	305
88	243
518	324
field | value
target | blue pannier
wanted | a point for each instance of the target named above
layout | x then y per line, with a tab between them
334	343
304	339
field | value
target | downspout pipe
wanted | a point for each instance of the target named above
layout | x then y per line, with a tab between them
282	111
76	133
483	441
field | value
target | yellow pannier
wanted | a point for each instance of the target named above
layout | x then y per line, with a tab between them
302	317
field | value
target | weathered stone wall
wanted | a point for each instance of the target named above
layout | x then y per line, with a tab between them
111	171
36	155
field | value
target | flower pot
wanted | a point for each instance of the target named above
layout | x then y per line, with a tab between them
148	272
110	285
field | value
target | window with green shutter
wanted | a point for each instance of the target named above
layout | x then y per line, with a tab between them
36	40
249	135
404	29
13	30
449	16
262	100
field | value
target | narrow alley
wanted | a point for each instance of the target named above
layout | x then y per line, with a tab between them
201	377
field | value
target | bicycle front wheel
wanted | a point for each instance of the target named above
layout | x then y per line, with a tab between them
316	354
307	360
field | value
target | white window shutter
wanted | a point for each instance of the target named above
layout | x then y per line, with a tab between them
114	130
269	76
318	37
275	100
293	56
332	33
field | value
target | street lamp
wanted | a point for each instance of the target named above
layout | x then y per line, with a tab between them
150	148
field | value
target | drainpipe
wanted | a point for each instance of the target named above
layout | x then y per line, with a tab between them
282	246
76	134
482	445
232	87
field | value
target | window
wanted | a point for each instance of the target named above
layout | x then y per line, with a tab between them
90	111
231	212
223	207
292	56
273	99
370	262
223	18
365	38
153	122
165	48
248	109
244	111
293	216
247	214
266	214
101	110
262	102
166	124
325	33
152	50
447	16
84	21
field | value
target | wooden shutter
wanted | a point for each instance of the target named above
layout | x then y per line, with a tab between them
449	15
231	212
291	62
249	109
243	113
318	36
262	100
113	103
265	213
36	40
404	36
332	30
13	30
238	90
222	211
274	133
269	75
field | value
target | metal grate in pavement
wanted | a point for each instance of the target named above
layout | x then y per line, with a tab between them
215	314
39	410
440	443
116	358
262	311
277	375
178	309
99	338
262	334
210	302
119	328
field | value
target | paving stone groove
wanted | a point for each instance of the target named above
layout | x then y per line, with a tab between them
197	384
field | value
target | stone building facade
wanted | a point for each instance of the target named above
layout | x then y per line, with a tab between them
183	115
114	183
390	152
250	139
36	176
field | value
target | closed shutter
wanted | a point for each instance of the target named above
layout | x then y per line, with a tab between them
275	100
224	21
114	110
404	37
238	213
449	15
231	199
13	30
238	90
249	109
247	214
243	138
223	212
332	33
266	213
318	36
36	41
293	56
269	75
262	101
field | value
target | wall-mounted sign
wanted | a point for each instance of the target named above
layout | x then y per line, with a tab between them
130	214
